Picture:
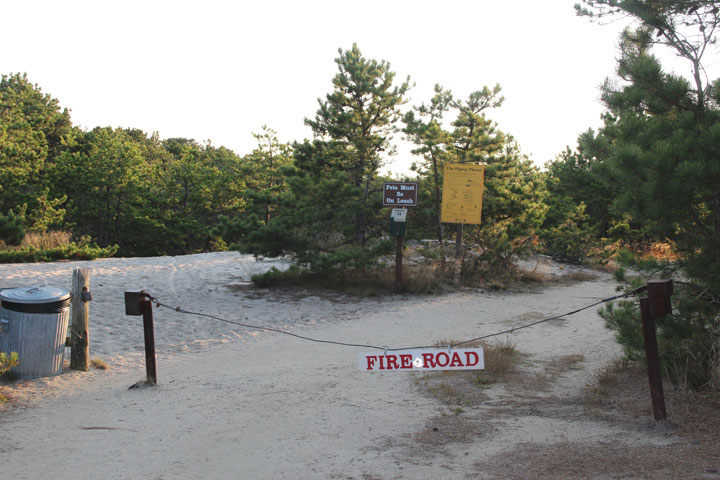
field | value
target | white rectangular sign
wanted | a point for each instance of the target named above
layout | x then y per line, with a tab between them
399	214
422	360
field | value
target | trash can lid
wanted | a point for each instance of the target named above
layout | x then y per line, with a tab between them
33	295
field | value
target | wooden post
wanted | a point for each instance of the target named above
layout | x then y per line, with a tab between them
398	263
458	254
653	361
146	309
79	339
458	241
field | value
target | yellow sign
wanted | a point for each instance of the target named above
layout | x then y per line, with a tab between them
462	193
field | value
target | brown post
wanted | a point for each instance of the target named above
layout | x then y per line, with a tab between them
79	341
146	309
653	361
458	240
398	263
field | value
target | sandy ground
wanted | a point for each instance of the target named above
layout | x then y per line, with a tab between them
233	403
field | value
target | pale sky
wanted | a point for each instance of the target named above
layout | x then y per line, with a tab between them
219	70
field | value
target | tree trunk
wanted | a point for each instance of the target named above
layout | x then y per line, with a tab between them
699	87
716	208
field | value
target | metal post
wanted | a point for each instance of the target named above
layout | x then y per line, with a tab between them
653	361
146	309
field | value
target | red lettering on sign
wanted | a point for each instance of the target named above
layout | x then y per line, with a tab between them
392	362
406	361
467	359
456	362
428	360
371	361
445	363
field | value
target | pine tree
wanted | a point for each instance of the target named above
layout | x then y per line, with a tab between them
663	133
33	132
331	212
513	196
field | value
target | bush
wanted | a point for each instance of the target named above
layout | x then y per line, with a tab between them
277	278
71	251
688	339
12	231
572	239
8	361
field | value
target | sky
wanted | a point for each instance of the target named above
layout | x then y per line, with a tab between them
220	70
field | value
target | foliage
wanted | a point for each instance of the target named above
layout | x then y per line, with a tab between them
12	230
277	278
688	339
328	217
417	279
572	238
8	361
32	131
263	174
432	144
352	128
662	131
513	206
83	250
664	134
513	197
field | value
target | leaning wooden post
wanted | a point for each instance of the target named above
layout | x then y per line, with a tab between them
656	305
79	341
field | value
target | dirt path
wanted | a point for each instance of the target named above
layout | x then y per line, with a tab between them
273	406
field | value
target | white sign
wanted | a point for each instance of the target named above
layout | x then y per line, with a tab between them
398	214
422	360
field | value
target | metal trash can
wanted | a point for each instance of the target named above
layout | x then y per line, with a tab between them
33	323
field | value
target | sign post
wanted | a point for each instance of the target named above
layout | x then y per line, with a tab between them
139	303
399	194
397	227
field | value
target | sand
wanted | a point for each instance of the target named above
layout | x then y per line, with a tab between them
234	403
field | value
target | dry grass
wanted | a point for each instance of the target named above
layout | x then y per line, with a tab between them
686	446
575	276
4	397
501	357
606	460
466	387
563	363
99	363
423	278
449	429
40	241
46	240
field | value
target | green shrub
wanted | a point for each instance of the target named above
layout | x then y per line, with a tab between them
688	339
8	361
12	231
572	239
71	251
277	278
